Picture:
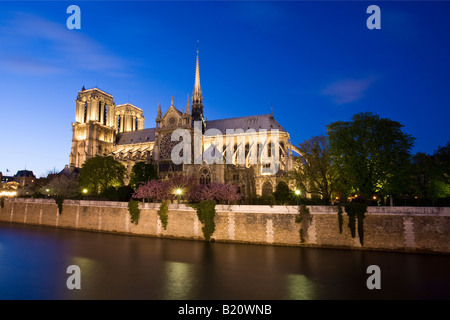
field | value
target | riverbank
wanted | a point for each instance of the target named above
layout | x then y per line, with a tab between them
401	229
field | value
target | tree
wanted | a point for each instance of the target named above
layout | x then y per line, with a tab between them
61	186
99	173
442	156
166	189
215	191
313	172
35	189
421	174
142	172
430	174
371	155
440	184
282	193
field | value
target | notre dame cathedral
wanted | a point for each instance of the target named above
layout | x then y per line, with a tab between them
233	150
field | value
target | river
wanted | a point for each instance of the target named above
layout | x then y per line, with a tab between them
34	262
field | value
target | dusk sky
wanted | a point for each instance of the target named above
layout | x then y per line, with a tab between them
317	62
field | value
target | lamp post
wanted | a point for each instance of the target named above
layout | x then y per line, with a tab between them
297	194
178	193
85	191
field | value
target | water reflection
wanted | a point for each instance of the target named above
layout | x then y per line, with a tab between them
34	260
178	280
299	287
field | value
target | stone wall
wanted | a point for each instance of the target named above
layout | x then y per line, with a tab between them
420	229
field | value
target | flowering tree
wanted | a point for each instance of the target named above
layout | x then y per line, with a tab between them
166	190
216	191
151	190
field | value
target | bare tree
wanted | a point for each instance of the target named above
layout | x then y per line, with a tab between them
313	171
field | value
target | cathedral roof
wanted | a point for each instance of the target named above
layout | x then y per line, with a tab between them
139	136
264	121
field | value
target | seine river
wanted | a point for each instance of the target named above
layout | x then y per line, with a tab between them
34	262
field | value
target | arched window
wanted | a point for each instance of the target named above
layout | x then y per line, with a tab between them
99	111
105	111
137	124
85	112
260	151
267	188
205	177
118	123
247	151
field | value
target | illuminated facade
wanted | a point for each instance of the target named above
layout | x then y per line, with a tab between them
240	155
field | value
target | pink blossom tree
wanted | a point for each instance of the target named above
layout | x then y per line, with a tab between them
166	190
216	191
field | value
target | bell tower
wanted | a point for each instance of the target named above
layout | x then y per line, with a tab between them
94	129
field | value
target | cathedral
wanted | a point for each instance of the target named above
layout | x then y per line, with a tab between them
251	152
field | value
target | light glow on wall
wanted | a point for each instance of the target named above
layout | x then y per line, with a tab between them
7	193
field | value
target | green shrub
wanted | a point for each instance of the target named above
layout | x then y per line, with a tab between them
282	193
356	211
59	201
303	218
163	214
133	209
268	199
206	211
122	193
340	218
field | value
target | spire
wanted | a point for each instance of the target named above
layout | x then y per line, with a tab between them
171	102
197	75
197	96
188	107
159	114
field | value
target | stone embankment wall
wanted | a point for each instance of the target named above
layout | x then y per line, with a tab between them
420	229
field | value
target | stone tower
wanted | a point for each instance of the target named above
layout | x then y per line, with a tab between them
97	122
94	128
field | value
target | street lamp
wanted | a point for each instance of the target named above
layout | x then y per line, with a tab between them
85	191
178	193
8	193
297	194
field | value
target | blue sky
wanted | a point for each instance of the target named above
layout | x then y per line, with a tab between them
317	62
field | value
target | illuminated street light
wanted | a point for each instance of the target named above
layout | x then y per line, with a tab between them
6	193
178	193
84	191
297	193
